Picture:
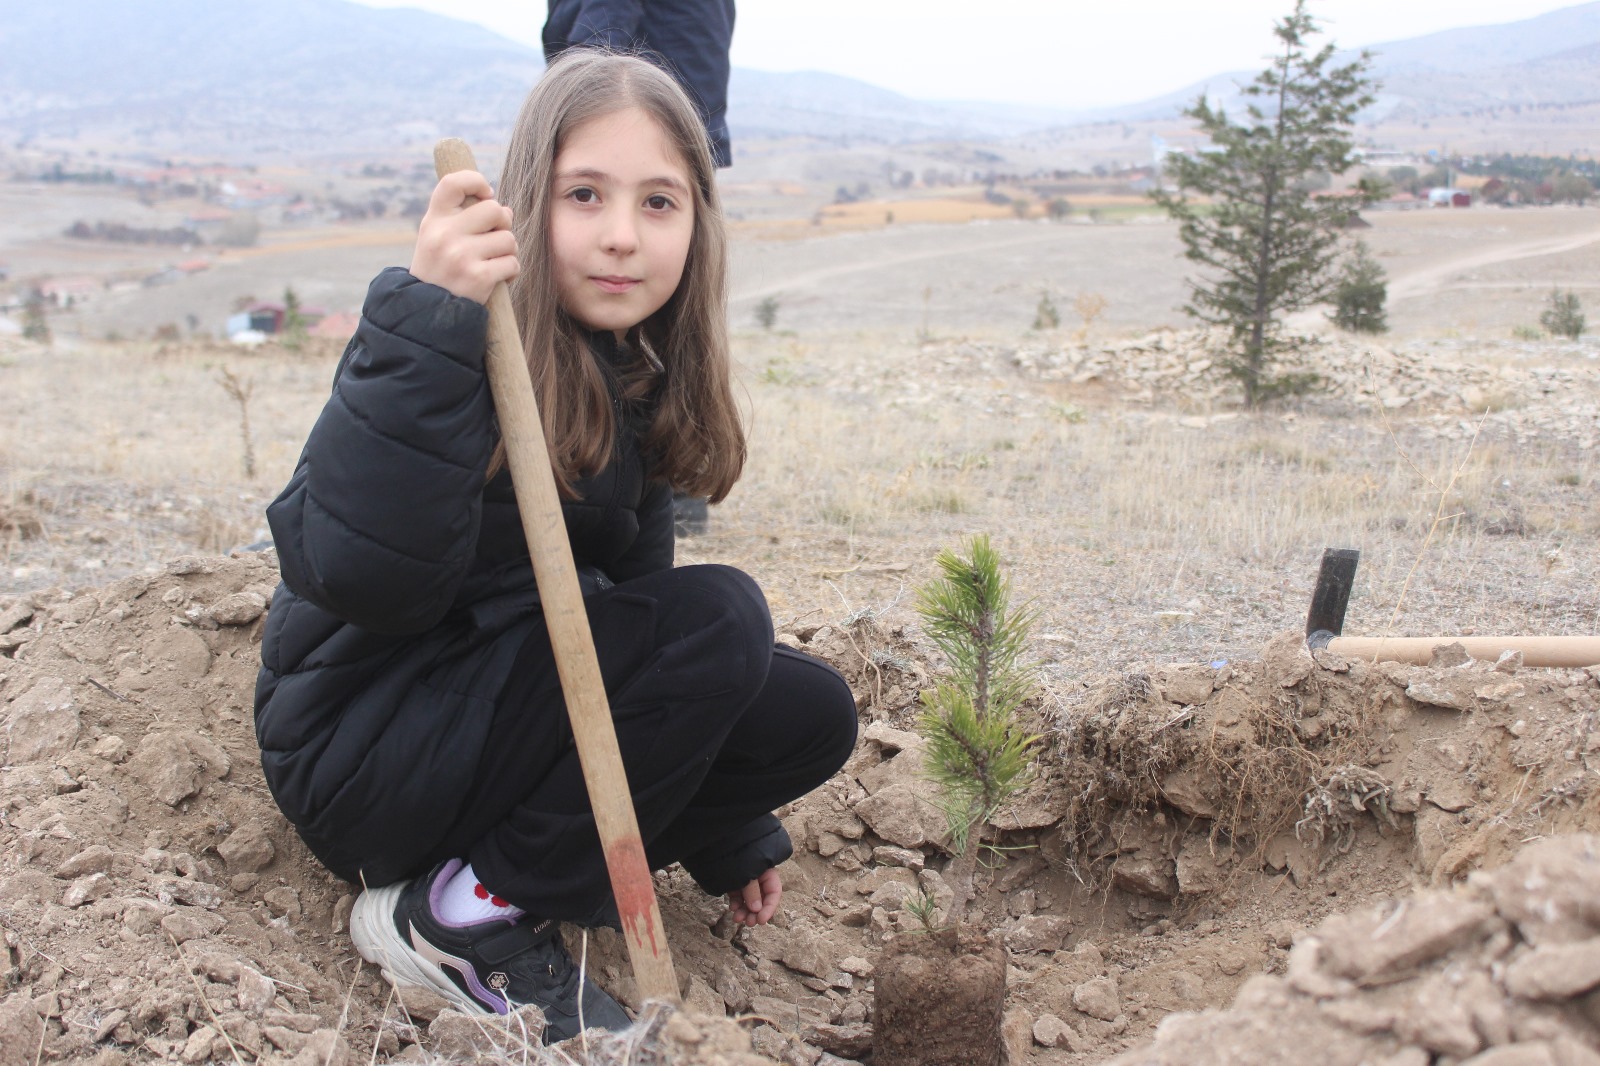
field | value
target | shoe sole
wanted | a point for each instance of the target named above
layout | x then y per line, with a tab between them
378	941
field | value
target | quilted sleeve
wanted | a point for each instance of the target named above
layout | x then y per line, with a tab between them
379	523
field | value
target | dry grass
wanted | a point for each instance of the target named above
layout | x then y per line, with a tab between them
1120	515
1144	531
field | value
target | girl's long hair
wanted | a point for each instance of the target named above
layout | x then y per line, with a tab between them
695	441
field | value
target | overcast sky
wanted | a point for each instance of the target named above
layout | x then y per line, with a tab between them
1048	52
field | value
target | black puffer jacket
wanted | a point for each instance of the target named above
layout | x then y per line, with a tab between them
407	587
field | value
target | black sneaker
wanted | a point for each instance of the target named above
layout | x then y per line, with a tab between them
489	967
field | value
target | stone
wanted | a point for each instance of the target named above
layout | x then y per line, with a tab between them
1098	997
1188	685
15	615
792	1016
1451	794
1369	944
1439	1021
239	609
1452	654
42	723
257	992
904	814
87	889
701	998
807	954
184	890
283	901
142	916
326	1047
192	923
95	859
847	1041
197	1048
892	856
1551	890
1305	976
932	884
1555	971
1144	874
1426	691
1510	661
247	849
21	1029
1016	1029
876	879
453	1035
1037	933
1182	789
856	966
902	769
1050	1031
182	651
165	765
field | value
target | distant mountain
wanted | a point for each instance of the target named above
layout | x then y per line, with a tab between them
1551	60
319	77
812	104
284	76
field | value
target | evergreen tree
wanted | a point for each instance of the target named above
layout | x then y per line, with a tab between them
1268	243
35	325
977	749
294	321
1563	315
1360	293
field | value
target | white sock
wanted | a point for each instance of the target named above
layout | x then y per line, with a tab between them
464	901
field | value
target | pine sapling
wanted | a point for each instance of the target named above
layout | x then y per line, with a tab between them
978	752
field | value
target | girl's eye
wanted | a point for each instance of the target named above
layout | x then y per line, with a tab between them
583	195
659	202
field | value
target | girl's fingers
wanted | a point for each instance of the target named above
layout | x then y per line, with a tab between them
485	216
454	189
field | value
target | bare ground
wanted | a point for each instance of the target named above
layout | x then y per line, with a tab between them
1205	790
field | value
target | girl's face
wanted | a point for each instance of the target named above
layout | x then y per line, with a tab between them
621	219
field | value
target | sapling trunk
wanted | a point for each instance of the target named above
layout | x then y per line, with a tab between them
977	750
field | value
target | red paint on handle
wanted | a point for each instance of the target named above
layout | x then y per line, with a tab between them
634	891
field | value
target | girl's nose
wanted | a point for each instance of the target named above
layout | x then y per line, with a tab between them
620	236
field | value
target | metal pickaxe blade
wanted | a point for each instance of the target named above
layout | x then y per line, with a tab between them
1332	595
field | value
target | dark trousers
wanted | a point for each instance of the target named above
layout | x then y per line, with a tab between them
717	728
688	38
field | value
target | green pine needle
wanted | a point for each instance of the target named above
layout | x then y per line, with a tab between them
977	752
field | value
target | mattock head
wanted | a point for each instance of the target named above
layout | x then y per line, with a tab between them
1334	582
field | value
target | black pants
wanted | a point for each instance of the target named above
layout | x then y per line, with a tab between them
688	38
717	729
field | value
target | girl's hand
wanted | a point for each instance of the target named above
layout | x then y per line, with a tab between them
465	242
757	902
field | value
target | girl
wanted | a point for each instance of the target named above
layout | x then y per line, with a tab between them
409	712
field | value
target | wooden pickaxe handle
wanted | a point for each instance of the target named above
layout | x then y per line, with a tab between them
587	706
1570	652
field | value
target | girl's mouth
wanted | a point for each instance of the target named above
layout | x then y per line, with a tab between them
614	283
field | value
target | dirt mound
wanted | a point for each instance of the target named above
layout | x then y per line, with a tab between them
1185	821
1503	972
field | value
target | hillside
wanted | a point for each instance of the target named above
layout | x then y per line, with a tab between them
319	77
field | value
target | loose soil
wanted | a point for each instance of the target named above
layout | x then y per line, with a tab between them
1186	823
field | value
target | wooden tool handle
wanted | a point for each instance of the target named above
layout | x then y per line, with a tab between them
568	623
1536	651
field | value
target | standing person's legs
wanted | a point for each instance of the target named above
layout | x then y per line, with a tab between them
693	38
614	24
